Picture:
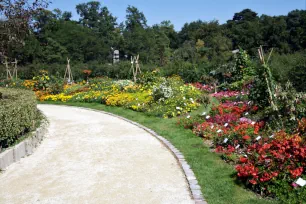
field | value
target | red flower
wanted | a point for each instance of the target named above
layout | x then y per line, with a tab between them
255	108
253	181
246	137
296	172
243	160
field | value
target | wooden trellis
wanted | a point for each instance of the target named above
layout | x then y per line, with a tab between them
11	68
68	74
268	76
136	69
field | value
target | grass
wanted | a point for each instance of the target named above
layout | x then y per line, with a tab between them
216	178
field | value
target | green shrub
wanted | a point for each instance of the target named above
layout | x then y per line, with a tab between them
18	113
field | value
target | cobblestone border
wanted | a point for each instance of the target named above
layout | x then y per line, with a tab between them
194	188
24	148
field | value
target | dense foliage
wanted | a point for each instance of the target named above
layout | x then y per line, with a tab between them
18	114
257	120
195	51
152	94
260	128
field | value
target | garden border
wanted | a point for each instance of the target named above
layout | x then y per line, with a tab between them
24	148
194	188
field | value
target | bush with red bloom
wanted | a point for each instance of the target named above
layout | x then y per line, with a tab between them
203	87
208	130
279	159
86	73
226	94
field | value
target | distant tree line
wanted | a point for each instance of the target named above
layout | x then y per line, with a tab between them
197	49
97	32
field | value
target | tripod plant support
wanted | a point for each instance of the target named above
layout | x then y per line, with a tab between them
9	68
68	73
136	69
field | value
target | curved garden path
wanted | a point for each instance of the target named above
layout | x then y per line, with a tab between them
91	157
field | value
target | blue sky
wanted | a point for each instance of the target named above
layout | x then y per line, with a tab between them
181	11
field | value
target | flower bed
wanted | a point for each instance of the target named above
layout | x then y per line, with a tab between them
158	96
272	165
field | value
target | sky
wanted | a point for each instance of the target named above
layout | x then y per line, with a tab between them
181	11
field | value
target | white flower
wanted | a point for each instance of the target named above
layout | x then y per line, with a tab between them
207	117
258	138
219	131
237	146
178	108
226	124
247	113
253	123
184	98
212	126
204	113
225	140
271	136
188	116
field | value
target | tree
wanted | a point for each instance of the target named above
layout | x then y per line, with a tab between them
66	16
139	38
274	33
296	22
135	19
16	23
162	45
102	22
168	28
245	31
89	13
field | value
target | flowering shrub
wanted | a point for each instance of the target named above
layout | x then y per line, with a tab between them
204	87
208	130
86	73
124	83
164	97
227	94
59	97
29	84
42	80
162	92
75	88
269	162
240	137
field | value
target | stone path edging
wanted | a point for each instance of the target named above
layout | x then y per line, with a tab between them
24	148
194	188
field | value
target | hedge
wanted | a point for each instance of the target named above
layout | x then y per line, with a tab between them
18	113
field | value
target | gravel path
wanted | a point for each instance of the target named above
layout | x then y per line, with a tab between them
91	157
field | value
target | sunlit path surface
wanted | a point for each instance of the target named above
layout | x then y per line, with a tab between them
91	157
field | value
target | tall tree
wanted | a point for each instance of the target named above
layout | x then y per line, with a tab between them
274	33
245	30
138	38
16	23
89	13
296	22
134	19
